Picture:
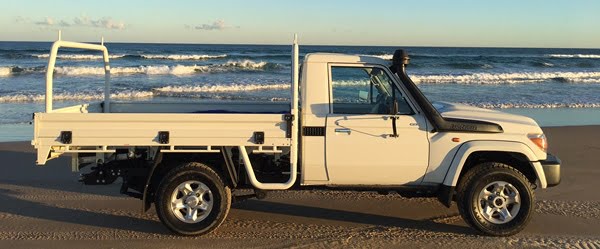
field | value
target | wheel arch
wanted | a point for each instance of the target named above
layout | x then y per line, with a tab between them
506	151
470	154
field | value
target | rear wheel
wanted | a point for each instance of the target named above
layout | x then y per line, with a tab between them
495	199
192	199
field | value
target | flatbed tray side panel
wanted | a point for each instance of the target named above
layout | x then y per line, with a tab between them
137	129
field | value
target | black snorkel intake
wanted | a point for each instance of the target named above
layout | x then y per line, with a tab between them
440	124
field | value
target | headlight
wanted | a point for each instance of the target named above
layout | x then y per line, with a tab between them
539	140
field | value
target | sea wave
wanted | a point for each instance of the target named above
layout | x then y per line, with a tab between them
213	88
187	91
182	56
16	98
5	71
11	71
244	65
384	56
469	65
584	56
508	78
133	56
149	70
79	56
420	55
534	105
541	64
232	92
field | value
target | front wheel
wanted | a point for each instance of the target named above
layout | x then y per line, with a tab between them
495	199
192	199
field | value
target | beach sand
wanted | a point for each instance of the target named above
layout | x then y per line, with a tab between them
45	207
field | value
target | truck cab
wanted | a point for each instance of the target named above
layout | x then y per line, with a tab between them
347	120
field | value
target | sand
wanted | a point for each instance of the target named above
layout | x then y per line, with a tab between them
45	207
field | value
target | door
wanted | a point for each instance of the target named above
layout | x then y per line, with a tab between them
360	147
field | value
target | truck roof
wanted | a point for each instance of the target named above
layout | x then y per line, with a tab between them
343	58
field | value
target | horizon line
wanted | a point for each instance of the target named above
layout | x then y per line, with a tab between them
312	44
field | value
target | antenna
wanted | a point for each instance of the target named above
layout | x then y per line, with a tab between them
59	34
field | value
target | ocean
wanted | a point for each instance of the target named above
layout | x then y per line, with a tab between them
554	86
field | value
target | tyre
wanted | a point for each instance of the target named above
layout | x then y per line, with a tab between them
496	199
192	199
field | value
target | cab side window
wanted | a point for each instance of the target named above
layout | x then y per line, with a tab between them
364	90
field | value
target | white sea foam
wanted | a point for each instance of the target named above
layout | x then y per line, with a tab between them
183	56
150	70
213	91
507	78
246	64
385	56
585	56
5	71
16	98
211	88
381	56
535	106
164	69
79	56
149	56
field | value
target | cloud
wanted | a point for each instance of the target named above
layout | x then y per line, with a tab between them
83	21
20	19
216	25
108	23
105	22
63	23
46	22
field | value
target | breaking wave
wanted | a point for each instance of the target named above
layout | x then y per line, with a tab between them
16	98
167	91
149	70
233	91
534	106
469	65
10	71
580	56
243	65
183	56
131	56
384	56
508	78
584	56
541	64
79	56
5	71
212	88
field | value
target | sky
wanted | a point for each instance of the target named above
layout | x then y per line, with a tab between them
452	23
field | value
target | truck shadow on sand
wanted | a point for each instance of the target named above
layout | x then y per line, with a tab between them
19	170
350	216
11	204
21	179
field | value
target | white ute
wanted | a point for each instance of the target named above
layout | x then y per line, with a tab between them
354	122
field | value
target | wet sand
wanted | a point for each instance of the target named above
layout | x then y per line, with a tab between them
45	207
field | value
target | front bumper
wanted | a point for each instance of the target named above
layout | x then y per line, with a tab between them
551	168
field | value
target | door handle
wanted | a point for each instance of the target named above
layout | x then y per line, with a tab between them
343	130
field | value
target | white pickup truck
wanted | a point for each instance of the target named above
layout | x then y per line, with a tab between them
354	122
